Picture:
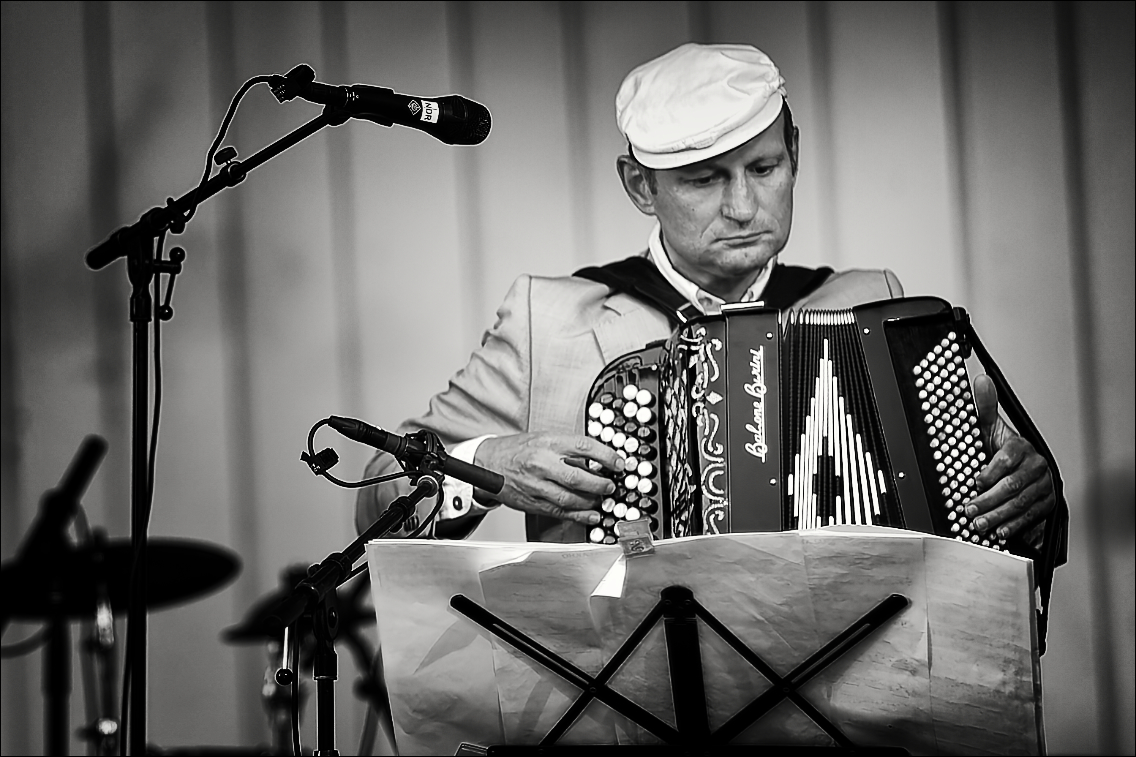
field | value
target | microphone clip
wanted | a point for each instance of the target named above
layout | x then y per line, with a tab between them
321	462
423	455
289	86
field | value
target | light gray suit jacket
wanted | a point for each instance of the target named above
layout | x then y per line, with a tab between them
536	364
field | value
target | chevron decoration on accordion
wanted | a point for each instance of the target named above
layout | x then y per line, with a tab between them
831	446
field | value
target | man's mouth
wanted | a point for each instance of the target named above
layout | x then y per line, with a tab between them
741	240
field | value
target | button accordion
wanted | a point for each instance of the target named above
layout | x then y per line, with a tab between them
754	420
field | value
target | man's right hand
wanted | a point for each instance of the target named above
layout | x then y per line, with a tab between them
547	474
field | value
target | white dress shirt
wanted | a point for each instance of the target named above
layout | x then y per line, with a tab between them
458	495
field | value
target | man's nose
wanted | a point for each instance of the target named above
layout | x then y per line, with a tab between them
739	204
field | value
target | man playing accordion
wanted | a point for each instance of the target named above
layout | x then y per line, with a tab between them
713	157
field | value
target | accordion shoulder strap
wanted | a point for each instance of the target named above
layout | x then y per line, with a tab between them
1055	543
638	277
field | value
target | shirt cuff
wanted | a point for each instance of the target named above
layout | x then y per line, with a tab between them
457	495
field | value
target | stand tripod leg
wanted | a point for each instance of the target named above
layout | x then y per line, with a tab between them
57	687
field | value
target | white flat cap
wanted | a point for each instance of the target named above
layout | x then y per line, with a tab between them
696	102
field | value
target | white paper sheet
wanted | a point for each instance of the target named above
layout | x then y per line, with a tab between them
956	672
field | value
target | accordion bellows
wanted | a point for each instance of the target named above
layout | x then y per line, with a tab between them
754	420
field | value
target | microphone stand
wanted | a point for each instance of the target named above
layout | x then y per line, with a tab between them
143	262
316	595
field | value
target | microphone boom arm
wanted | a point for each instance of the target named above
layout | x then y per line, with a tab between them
171	217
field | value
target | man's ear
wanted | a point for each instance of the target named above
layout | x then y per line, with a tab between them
795	151
636	184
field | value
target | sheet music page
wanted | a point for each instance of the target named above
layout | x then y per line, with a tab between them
965	645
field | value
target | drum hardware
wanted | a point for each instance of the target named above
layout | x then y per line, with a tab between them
294	652
56	580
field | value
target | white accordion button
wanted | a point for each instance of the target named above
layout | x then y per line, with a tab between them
619	439
644	415
631	444
633	513
607	433
594	428
594	410
645	469
619	510
630	409
607	416
630	391
645	486
596	535
644	398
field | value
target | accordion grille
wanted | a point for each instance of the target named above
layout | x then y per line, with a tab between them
836	466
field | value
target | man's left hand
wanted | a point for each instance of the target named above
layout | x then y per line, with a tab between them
1016	489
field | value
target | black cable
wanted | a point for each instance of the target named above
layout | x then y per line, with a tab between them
229	114
429	518
338	482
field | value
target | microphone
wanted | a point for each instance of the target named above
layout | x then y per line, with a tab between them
411	450
452	119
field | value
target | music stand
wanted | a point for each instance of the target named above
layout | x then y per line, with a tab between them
680	610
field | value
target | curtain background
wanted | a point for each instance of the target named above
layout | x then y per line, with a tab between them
983	151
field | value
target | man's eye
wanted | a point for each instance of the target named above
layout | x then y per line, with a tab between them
701	181
762	169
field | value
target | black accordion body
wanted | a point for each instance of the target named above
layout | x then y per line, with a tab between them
754	420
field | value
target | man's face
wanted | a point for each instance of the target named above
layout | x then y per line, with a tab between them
723	219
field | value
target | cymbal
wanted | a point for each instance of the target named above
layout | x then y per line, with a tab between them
177	571
254	627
